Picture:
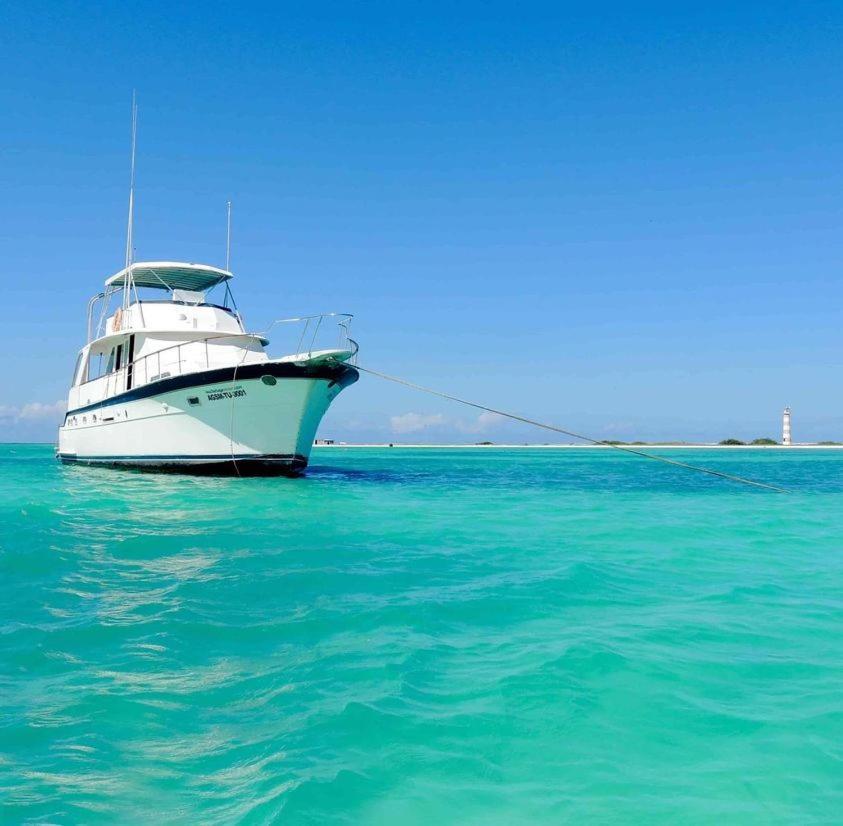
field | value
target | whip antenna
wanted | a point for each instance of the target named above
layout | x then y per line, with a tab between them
130	227
228	236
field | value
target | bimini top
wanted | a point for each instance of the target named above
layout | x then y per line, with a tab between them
171	275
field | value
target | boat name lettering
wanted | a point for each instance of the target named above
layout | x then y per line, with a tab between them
233	393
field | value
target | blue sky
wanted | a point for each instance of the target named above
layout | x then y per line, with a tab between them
626	220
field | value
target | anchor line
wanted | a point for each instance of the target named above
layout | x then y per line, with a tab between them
231	419
622	448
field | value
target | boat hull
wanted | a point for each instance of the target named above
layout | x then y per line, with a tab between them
257	419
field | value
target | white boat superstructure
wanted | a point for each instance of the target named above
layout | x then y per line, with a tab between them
176	383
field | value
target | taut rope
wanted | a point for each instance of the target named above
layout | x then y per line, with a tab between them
622	448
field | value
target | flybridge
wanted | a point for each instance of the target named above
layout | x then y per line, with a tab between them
187	283
170	275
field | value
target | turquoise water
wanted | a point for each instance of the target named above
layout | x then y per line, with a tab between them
423	636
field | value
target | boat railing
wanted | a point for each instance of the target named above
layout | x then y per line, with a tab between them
204	353
185	357
176	360
92	303
312	333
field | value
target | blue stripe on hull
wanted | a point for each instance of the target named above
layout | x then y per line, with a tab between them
341	374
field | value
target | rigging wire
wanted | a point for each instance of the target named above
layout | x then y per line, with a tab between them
623	448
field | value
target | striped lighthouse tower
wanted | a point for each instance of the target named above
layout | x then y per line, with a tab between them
786	426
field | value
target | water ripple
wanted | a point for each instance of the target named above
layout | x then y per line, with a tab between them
413	636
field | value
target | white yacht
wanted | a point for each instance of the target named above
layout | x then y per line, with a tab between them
176	382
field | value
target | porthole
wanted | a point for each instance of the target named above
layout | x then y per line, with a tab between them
270	381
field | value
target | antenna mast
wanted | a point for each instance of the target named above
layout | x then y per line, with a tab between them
228	236
130	228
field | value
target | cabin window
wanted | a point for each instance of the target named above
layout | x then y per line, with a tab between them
77	378
95	366
99	365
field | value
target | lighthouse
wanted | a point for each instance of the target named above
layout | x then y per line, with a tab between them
786	426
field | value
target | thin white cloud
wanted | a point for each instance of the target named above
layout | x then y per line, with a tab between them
32	412
39	410
415	422
481	424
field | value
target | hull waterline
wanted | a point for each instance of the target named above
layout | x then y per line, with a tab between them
246	465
